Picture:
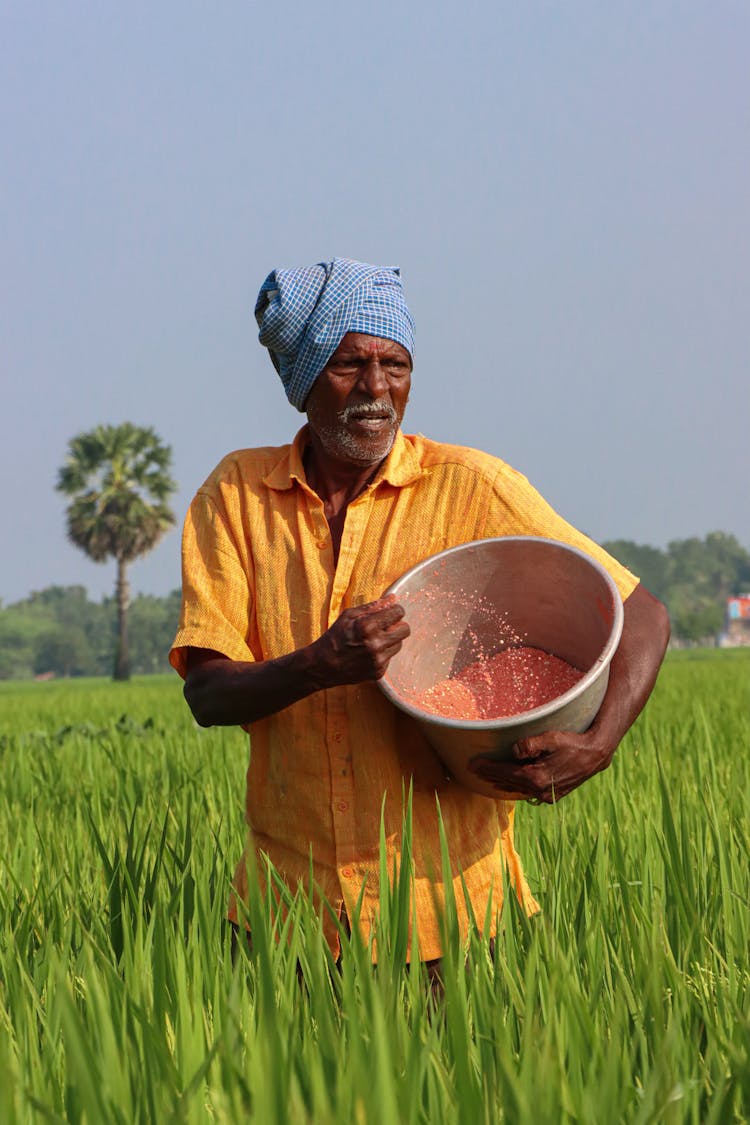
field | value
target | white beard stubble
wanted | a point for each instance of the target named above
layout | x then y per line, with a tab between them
341	444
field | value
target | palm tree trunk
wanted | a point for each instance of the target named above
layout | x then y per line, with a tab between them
122	657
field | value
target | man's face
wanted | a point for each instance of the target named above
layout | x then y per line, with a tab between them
357	402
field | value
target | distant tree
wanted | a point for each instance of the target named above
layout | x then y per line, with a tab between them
695	616
694	577
66	606
154	623
67	610
716	566
17	636
119	482
66	652
649	563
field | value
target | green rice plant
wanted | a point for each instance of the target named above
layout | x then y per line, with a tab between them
626	999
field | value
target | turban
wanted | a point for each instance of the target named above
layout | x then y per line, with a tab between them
304	314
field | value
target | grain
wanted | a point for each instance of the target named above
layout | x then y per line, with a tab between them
510	682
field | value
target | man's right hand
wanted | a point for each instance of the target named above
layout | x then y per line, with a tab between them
357	647
361	642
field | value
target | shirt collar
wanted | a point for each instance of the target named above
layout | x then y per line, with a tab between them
401	466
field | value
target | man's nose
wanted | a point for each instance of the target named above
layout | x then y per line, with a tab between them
374	379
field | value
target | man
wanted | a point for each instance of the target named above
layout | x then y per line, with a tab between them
286	552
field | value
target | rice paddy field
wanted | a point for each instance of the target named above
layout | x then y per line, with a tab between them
626	1000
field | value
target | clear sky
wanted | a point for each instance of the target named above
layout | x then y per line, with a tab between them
566	187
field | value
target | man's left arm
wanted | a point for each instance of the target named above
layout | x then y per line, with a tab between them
546	767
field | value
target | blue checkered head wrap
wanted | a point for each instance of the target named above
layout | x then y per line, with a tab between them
304	314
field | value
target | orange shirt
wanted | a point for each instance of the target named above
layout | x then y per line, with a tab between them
259	581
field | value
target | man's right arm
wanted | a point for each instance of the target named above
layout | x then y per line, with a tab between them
357	647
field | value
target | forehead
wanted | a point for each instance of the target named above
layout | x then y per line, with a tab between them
360	344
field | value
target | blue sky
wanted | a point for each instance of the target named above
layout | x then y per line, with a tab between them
565	187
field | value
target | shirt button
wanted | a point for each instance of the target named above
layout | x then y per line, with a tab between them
347	872
320	544
342	806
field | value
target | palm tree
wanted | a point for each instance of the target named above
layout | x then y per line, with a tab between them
119	483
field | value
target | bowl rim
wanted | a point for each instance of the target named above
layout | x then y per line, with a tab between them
546	709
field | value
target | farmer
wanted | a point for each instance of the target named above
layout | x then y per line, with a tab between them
283	631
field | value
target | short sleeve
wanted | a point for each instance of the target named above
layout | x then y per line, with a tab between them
518	509
217	589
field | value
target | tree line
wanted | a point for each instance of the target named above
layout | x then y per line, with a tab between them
59	631
693	577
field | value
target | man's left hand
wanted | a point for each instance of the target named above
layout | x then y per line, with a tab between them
544	767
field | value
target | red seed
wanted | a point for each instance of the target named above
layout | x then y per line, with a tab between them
508	683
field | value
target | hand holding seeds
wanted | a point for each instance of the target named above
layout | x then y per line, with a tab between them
361	643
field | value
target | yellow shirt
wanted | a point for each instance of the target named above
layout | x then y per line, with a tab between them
259	581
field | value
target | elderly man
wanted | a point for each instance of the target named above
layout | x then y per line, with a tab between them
283	631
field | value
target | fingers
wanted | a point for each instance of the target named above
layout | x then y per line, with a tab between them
540	790
362	642
379	603
529	781
547	777
384	618
382	635
530	749
383	612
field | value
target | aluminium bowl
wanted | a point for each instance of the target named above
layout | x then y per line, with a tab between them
479	598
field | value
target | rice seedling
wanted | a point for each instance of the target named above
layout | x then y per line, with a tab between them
626	999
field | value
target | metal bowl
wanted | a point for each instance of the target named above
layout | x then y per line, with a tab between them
482	597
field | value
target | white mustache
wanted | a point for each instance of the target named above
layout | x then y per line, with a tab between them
377	409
